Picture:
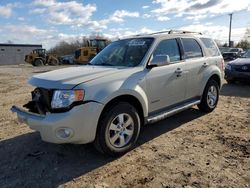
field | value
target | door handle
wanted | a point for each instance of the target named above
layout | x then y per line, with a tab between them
205	64
178	71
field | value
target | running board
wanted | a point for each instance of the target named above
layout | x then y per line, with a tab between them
163	115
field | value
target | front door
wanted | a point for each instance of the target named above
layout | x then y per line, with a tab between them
166	85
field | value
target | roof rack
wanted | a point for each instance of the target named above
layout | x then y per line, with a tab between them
175	31
183	32
172	31
160	32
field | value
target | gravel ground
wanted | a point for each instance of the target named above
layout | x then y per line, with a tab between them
190	149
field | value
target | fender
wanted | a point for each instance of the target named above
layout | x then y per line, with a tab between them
212	70
138	93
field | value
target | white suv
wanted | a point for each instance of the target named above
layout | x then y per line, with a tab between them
133	81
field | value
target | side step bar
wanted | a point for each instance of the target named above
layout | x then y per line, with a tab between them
163	115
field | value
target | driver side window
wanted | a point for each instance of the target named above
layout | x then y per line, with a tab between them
168	47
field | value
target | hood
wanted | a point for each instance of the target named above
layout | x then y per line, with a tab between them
240	61
67	78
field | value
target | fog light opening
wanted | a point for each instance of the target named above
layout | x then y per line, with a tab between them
64	133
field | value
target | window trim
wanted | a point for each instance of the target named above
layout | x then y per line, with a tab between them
184	55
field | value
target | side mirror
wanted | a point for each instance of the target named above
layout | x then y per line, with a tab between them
158	60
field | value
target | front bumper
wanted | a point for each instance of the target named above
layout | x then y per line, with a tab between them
80	122
234	75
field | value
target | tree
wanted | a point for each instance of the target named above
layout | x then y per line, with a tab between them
225	45
67	48
247	34
245	44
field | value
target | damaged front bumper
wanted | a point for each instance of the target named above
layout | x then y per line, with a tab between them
75	126
27	117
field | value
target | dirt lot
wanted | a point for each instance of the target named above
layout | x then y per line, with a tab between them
190	149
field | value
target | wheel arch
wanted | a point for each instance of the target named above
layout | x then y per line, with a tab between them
216	78
131	99
37	58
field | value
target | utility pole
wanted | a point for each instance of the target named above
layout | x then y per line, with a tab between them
230	28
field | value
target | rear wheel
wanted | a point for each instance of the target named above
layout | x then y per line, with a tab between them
210	97
118	129
38	62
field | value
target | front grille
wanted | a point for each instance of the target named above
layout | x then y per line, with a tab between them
242	68
41	99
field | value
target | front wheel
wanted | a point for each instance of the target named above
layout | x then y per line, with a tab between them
38	62
210	97
118	130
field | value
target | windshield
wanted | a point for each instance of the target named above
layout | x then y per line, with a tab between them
247	54
98	43
127	52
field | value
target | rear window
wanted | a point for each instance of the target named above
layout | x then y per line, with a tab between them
191	48
211	46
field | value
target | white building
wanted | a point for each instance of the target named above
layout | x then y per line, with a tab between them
14	54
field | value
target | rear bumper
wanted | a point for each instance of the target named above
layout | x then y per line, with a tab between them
234	75
80	123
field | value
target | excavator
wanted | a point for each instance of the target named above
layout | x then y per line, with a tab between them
40	57
84	54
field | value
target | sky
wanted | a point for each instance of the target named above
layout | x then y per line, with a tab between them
47	22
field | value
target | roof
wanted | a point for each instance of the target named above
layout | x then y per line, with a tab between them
21	45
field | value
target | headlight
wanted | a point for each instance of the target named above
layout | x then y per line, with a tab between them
228	67
64	98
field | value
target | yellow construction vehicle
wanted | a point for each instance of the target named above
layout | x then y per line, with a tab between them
39	57
84	54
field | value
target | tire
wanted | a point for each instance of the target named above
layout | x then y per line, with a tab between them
38	62
54	62
210	97
116	137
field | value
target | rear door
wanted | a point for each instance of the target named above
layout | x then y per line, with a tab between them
166	85
213	53
196	63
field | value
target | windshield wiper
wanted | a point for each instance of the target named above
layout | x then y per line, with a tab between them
105	64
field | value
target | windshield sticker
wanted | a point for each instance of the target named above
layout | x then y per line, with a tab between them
136	42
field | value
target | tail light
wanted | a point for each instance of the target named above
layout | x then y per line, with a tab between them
222	64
